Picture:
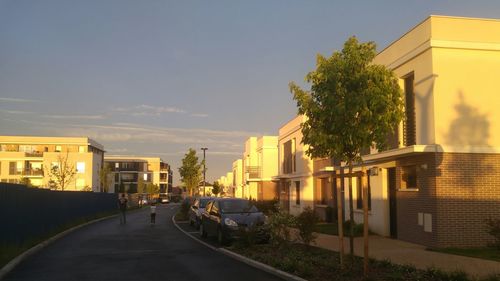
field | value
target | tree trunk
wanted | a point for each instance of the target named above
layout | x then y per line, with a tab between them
364	184
351	213
339	219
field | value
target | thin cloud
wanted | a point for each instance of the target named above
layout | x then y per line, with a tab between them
17	100
147	110
202	115
16	111
88	117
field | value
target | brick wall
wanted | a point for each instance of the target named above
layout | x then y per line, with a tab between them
468	192
412	202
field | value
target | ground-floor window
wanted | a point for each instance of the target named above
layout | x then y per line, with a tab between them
297	192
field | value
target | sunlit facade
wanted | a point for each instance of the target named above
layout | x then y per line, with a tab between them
29	159
128	171
438	182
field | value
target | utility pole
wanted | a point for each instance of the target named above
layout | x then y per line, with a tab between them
204	169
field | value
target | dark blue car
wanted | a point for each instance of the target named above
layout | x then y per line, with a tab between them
231	218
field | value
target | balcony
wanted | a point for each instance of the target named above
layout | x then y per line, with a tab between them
34	172
33	154
253	172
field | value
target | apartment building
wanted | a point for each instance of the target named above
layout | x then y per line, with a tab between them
261	175
238	184
30	159
128	171
440	179
250	168
295	170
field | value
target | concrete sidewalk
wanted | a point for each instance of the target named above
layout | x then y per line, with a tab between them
405	253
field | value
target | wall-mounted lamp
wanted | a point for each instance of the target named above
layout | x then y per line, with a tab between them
373	171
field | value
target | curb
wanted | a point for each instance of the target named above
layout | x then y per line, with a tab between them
253	263
24	255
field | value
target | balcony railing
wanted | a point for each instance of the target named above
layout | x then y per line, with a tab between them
33	172
254	172
34	154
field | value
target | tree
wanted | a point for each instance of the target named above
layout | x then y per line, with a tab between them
190	171
25	181
141	186
105	177
216	188
352	105
62	174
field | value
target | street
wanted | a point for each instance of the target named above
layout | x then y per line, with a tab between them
107	250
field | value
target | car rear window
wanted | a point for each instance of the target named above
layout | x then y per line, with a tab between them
237	206
203	202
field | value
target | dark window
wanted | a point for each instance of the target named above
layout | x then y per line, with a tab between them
409	177
237	206
409	125
289	161
359	191
324	186
297	192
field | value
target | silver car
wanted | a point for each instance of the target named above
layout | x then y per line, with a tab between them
197	209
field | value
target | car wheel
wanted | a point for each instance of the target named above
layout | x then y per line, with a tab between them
220	237
203	233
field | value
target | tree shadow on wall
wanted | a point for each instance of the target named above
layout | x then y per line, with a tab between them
469	132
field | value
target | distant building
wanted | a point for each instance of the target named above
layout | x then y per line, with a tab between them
24	158
259	166
128	171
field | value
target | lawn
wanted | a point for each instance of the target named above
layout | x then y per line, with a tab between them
482	253
316	264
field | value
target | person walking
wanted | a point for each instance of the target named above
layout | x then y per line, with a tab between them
153	213
122	204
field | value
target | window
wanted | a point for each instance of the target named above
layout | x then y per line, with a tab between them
359	192
15	167
409	125
289	162
409	177
58	148
80	167
297	193
322	191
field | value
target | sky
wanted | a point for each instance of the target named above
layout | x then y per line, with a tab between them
155	78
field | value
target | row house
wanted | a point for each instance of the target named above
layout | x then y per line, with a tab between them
238	185
128	171
259	166
295	169
439	181
30	158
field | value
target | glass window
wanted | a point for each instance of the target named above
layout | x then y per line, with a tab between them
237	206
58	148
80	167
409	177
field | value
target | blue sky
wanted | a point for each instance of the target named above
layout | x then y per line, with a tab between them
155	78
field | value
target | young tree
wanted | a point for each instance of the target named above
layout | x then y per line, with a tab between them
190	171
141	186
105	177
26	181
352	105
216	188
62	174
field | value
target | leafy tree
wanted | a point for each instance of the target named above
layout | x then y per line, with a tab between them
216	188
105	177
141	186
352	105
62	174
26	181
152	188
190	171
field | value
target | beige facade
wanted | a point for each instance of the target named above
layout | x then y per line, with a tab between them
443	163
238	183
30	157
295	170
250	168
129	170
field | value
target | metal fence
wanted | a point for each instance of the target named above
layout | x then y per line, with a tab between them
30	214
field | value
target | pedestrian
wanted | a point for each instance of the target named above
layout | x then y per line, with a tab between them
153	213
122	205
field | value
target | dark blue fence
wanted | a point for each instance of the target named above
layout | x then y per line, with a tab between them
31	214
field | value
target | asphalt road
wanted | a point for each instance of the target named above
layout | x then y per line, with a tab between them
136	251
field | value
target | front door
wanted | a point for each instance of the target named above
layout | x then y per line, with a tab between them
393	219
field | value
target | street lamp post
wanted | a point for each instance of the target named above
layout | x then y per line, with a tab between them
204	169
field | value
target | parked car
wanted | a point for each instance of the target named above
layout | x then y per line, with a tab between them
230	218
163	198
196	209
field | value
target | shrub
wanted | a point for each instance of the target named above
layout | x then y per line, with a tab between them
306	223
279	224
183	211
266	206
494	230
